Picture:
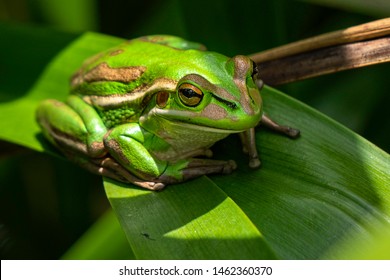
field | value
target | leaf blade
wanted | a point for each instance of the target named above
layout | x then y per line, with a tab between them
327	183
193	221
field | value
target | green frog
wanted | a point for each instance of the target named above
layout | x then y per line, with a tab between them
147	112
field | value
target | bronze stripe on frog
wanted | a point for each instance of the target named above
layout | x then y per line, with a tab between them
103	72
140	93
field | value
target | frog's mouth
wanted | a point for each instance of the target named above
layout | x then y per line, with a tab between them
206	128
187	122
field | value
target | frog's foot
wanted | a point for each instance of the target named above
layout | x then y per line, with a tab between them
199	167
286	130
249	147
112	169
109	167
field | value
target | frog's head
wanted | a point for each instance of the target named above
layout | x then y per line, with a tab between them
220	94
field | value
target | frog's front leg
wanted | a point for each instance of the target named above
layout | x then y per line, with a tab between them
282	129
249	147
125	144
249	142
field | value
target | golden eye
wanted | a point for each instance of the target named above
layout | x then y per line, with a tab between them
190	95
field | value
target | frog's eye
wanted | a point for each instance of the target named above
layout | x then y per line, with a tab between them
190	95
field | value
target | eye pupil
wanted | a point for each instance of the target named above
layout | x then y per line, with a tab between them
190	95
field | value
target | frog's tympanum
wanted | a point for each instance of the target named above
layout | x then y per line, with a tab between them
147	112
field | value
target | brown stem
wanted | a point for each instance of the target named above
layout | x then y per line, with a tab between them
353	47
325	61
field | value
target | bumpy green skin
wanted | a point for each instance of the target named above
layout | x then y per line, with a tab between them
126	119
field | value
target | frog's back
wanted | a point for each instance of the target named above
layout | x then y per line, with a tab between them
129	65
119	82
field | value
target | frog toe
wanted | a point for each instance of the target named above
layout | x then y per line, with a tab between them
229	167
254	163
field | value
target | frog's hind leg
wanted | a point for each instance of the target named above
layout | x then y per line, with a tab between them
64	134
194	168
75	129
109	167
66	128
274	126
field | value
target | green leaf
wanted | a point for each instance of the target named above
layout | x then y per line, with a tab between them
196	220
103	240
310	195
